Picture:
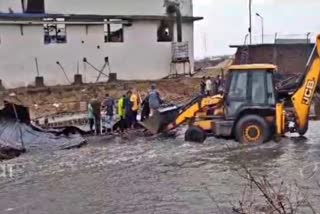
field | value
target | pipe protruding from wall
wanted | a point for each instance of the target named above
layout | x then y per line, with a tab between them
2	88
174	8
39	82
112	77
78	79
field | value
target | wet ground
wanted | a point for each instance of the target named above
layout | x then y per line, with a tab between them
163	175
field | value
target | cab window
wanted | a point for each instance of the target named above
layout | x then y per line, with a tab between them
259	94
237	95
262	92
238	86
270	90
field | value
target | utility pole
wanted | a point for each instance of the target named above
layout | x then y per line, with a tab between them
205	44
250	21
262	27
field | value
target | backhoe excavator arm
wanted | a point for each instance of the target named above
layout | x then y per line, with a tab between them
193	109
303	97
171	117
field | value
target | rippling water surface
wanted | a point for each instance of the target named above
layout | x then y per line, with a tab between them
164	175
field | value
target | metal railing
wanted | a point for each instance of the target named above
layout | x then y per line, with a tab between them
308	37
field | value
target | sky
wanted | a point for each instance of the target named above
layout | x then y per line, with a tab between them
226	22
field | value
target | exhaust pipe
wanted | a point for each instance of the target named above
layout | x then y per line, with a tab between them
173	8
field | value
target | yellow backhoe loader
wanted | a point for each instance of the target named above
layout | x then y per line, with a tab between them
249	111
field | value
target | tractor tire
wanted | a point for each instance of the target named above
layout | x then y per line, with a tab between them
252	129
195	135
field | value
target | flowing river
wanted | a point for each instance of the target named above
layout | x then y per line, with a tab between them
144	175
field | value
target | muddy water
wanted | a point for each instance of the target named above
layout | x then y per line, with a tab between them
165	175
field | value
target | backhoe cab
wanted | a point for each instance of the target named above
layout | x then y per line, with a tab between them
249	111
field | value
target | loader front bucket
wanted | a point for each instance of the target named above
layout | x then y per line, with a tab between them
161	119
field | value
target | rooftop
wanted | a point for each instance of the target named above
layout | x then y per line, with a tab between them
20	17
272	45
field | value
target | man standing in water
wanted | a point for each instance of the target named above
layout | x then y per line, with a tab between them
135	101
96	110
122	113
128	110
90	117
108	105
145	109
154	99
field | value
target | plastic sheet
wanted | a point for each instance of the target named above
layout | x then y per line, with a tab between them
19	135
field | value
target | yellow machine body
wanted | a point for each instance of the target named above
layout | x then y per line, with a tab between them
244	118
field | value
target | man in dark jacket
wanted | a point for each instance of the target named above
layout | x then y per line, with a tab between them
128	109
108	105
203	86
96	110
145	109
154	99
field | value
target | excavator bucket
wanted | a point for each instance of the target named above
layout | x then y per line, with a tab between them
164	116
161	119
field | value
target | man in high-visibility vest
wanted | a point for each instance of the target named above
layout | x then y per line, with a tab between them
122	113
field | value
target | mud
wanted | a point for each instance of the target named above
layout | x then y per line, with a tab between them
154	175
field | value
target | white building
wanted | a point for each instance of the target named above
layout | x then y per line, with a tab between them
134	35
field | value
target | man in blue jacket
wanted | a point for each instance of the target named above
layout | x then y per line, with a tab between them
154	99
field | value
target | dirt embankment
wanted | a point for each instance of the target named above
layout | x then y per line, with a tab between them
67	99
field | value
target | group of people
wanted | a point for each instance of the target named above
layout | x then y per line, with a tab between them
126	108
211	87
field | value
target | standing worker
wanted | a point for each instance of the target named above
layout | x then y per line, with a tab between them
134	98
208	86
90	117
108	106
121	113
145	112
128	109
96	109
203	86
221	85
218	81
154	99
215	86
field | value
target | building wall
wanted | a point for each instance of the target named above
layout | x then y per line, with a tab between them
290	58
140	56
112	7
15	5
102	7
